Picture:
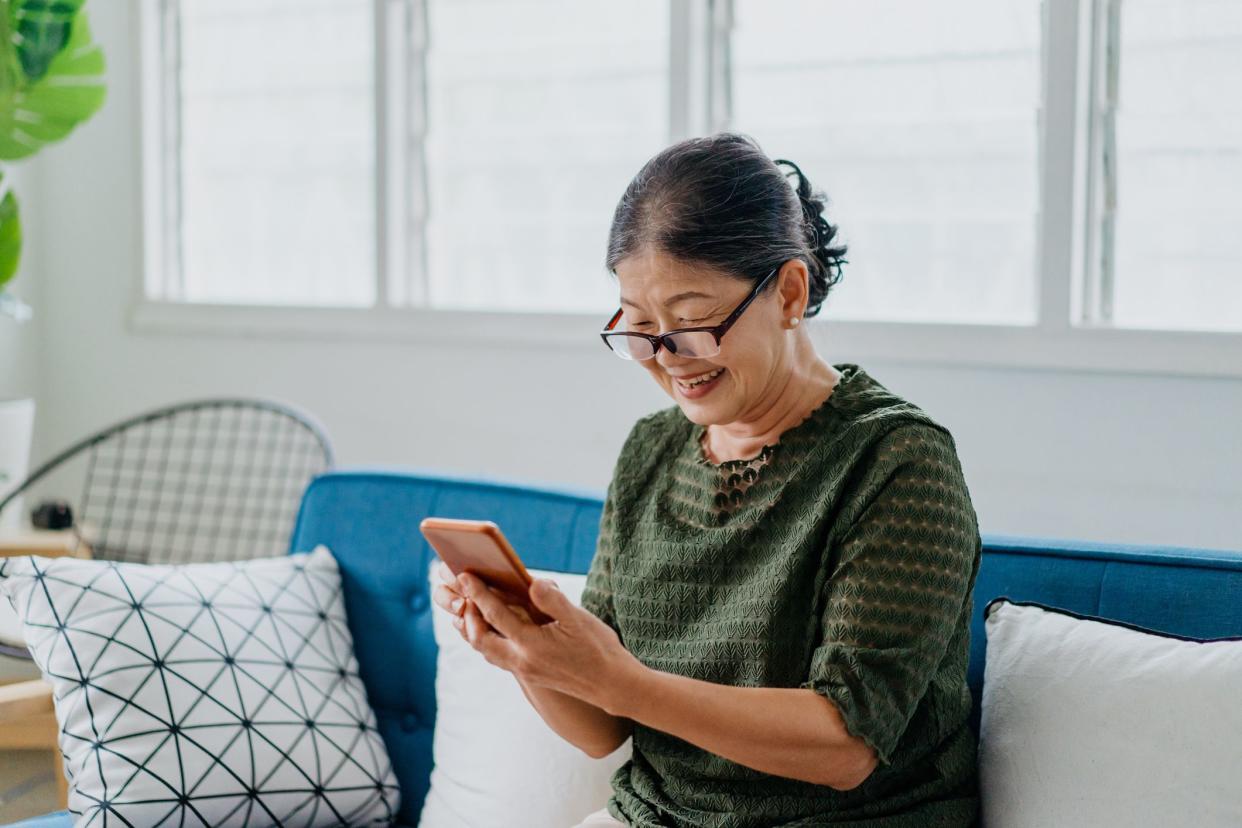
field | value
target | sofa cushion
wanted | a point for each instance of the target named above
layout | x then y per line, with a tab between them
222	693
1191	592
492	749
1088	721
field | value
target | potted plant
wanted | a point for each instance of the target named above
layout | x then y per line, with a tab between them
51	80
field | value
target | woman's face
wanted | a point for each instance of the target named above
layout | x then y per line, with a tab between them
660	293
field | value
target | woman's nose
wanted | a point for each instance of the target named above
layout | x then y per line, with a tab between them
668	359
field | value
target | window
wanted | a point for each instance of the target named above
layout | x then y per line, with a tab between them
530	141
921	126
1046	169
1171	158
276	160
506	132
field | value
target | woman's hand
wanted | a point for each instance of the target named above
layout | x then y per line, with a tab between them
576	653
449	596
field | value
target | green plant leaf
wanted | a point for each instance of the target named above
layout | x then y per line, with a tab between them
10	237
40	30
47	110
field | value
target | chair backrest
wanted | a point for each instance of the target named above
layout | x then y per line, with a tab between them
369	519
205	480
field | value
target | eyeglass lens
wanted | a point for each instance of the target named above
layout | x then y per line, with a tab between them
689	344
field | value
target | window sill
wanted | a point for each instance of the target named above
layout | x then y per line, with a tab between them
1153	352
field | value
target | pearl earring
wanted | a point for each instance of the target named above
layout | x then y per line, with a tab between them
793	321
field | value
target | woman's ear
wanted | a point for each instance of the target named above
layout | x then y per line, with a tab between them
793	284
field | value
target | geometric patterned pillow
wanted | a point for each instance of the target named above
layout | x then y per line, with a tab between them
205	694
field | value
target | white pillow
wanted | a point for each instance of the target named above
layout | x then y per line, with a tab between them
1088	722
205	694
496	762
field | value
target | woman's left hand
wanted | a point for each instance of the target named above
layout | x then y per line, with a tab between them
576	653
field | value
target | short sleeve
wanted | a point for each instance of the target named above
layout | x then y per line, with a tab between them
904	572
597	592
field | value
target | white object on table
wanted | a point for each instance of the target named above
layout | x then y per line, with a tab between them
16	433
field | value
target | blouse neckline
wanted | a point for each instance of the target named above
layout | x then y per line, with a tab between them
849	372
734	495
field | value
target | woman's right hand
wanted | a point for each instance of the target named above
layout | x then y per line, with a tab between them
449	596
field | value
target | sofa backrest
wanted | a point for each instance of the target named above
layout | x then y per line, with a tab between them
369	519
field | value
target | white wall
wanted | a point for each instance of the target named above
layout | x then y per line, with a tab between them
20	343
22	359
1110	457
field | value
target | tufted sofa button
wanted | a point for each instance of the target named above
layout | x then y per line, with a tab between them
418	601
409	723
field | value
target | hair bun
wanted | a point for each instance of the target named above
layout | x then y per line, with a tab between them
819	233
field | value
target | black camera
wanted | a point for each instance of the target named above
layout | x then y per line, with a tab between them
52	514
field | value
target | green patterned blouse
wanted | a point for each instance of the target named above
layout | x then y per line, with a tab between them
841	559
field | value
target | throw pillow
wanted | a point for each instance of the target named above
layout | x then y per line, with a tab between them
205	694
1093	722
496	762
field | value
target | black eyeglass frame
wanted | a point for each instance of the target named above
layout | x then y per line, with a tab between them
659	340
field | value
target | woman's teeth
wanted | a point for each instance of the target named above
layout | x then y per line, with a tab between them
702	378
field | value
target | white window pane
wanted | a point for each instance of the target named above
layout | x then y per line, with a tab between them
539	114
1178	249
277	152
919	120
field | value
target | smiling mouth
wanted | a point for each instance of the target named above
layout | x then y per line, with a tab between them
699	379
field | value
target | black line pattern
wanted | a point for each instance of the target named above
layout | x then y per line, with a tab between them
222	694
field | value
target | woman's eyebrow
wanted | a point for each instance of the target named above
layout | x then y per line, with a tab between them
672	300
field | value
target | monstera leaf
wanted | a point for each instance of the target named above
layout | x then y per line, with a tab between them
51	80
35	112
10	234
41	29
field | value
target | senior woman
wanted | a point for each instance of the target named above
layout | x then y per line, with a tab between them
778	608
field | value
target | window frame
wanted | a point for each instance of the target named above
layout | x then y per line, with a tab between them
1071	330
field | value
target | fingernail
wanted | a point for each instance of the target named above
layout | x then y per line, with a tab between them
457	622
456	605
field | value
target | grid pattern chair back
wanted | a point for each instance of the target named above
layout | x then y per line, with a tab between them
206	480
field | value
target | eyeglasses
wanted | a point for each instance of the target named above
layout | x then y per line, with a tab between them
685	342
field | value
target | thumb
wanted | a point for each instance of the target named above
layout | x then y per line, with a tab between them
547	596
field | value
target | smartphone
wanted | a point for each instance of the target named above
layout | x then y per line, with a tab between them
479	547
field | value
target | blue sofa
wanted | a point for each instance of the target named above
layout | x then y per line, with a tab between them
369	519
